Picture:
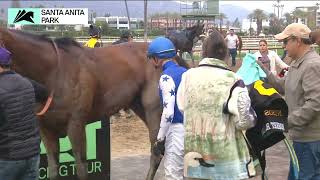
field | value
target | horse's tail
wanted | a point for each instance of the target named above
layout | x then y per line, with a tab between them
181	62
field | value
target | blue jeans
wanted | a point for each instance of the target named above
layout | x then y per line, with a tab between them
233	54
308	154
27	169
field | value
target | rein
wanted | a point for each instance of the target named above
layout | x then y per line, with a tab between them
50	98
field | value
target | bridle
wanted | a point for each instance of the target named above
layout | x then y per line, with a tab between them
50	98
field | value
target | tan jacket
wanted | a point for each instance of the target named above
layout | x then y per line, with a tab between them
302	94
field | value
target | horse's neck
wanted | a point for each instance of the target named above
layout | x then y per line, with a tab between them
33	59
191	34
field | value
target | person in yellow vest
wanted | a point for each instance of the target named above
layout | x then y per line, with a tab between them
95	35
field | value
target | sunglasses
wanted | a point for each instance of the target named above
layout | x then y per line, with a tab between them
286	40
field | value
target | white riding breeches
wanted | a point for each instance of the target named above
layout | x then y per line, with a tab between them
174	152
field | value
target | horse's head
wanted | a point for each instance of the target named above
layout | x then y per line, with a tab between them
315	37
194	32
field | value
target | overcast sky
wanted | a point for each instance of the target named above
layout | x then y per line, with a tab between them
267	5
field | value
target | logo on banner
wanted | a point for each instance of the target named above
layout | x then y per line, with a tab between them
23	15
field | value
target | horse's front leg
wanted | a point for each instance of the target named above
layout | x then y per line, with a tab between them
51	142
77	136
153	123
150	104
80	108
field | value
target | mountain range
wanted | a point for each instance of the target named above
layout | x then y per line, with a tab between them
117	8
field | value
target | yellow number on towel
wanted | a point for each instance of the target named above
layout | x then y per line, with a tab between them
262	90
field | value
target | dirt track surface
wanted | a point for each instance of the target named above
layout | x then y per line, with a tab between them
130	153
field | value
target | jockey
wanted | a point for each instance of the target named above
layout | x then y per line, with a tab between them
161	51
94	32
126	36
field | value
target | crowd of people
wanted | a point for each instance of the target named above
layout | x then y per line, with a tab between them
206	109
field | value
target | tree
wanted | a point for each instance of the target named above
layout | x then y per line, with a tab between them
104	27
275	26
251	30
222	16
228	24
236	23
195	5
259	16
289	18
94	14
299	14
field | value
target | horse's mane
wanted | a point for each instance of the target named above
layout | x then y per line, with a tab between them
193	31
62	43
192	28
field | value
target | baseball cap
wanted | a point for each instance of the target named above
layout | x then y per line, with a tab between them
5	57
294	29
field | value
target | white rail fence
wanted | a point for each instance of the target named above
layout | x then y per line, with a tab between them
249	44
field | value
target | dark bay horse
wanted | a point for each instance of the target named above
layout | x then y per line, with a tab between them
183	40
315	37
87	84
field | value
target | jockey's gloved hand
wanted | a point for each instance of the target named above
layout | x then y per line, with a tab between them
158	147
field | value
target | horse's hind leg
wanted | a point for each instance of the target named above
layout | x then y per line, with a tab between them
51	142
76	133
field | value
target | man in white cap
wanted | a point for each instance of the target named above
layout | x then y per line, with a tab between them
301	86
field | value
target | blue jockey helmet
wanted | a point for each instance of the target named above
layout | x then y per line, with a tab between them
161	48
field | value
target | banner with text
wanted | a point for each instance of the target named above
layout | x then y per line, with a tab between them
98	155
45	16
